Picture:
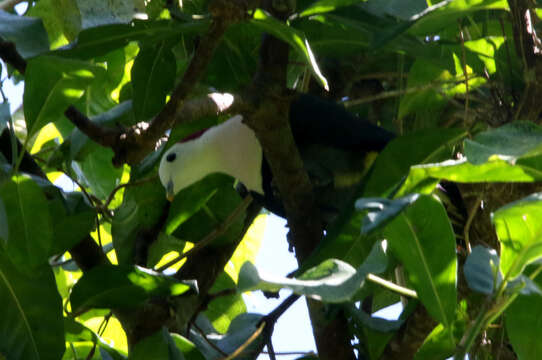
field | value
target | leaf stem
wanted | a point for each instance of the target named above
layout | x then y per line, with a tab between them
392	286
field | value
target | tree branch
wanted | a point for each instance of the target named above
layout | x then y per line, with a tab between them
270	122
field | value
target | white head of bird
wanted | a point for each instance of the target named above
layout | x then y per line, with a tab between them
230	148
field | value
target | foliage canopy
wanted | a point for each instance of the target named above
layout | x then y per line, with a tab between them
112	270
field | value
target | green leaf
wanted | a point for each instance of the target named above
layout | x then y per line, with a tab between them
323	6
158	346
97	171
482	270
73	219
423	240
98	41
51	85
110	286
5	116
381	211
26	32
518	230
153	76
495	170
446	13
522	320
78	333
141	208
332	281
240	330
222	310
29	223
400	154
509	142
291	36
31	313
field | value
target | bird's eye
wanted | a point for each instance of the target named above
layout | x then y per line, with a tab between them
171	157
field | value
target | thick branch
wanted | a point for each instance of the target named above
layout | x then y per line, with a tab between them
528	48
270	122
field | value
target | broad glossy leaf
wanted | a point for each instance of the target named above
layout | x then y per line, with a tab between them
141	208
495	170
78	334
97	171
445	13
101	40
241	328
482	270
153	76
222	310
158	346
522	320
51	85
322	6
509	142
27	33
31	313
73	219
110	286
293	37
519	231
421	147
381	210
423	240
332	281
29	223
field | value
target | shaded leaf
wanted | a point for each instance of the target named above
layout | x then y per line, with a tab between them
98	41
381	211
508	142
29	223
31	313
109	286
141	208
482	270
27	33
158	346
153	76
51	85
522	320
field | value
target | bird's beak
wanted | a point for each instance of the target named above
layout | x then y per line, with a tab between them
170	194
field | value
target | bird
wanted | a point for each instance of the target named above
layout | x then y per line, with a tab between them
334	145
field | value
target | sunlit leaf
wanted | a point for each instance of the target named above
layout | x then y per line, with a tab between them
519	231
423	240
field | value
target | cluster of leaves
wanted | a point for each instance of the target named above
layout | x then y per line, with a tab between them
435	65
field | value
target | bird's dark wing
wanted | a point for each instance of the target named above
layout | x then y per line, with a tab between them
319	121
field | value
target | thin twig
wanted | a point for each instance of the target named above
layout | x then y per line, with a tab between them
286	353
135	183
211	344
271	350
392	286
472	214
465	73
249	341
219	230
